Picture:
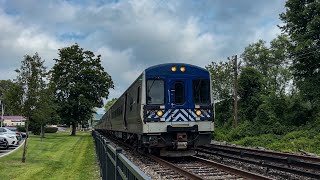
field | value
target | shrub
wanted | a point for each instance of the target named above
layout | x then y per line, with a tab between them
51	130
258	141
21	128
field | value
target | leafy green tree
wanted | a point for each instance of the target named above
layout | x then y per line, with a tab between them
301	23
279	74
222	76
45	111
257	55
11	96
250	89
109	104
31	77
272	63
80	83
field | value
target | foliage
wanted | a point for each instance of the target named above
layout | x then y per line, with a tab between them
222	80
301	23
51	129
271	62
223	110
109	104
258	141
21	128
79	83
250	89
222	88
11	95
31	77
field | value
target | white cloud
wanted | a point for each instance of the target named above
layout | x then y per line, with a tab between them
133	35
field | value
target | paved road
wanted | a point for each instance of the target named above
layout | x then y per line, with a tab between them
3	152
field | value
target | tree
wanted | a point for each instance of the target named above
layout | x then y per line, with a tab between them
250	89
79	83
31	77
257	55
272	63
222	77
45	111
301	23
11	95
109	104
280	74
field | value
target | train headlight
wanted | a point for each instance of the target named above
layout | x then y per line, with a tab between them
173	68
159	113
182	69
198	112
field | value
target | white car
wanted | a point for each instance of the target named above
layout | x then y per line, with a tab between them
11	138
6	131
4	142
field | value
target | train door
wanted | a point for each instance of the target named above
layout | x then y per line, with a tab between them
125	111
178	101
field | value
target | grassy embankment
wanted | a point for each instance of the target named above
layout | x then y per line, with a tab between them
303	139
58	156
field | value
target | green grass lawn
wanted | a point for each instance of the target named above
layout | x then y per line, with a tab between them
59	156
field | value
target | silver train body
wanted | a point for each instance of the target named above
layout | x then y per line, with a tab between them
167	110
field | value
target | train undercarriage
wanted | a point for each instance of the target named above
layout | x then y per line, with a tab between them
176	142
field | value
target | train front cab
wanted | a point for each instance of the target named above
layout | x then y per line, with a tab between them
178	113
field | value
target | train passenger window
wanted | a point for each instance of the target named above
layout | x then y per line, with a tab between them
201	91
155	91
179	93
131	103
138	95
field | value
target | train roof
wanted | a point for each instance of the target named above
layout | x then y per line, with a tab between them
165	69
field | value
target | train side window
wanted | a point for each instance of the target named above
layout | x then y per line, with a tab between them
131	103
179	93
138	95
155	91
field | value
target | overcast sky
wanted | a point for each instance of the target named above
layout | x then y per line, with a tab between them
133	35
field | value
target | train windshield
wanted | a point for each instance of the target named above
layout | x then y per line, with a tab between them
201	91
155	91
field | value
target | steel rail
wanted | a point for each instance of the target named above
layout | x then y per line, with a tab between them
190	175
268	157
175	167
181	171
280	154
261	163
232	170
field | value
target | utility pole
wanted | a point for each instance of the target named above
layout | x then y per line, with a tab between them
235	60
2	111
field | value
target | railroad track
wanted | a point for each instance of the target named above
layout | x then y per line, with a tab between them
281	163
188	167
198	168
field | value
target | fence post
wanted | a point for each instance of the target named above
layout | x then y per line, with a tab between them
99	155
105	158
117	175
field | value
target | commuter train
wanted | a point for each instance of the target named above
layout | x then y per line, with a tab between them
167	110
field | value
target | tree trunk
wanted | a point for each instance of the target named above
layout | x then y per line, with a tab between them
73	132
25	143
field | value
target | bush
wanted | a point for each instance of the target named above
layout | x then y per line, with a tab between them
21	128
258	141
51	130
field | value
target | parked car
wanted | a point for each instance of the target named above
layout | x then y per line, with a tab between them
11	138
6	131
23	134
3	142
